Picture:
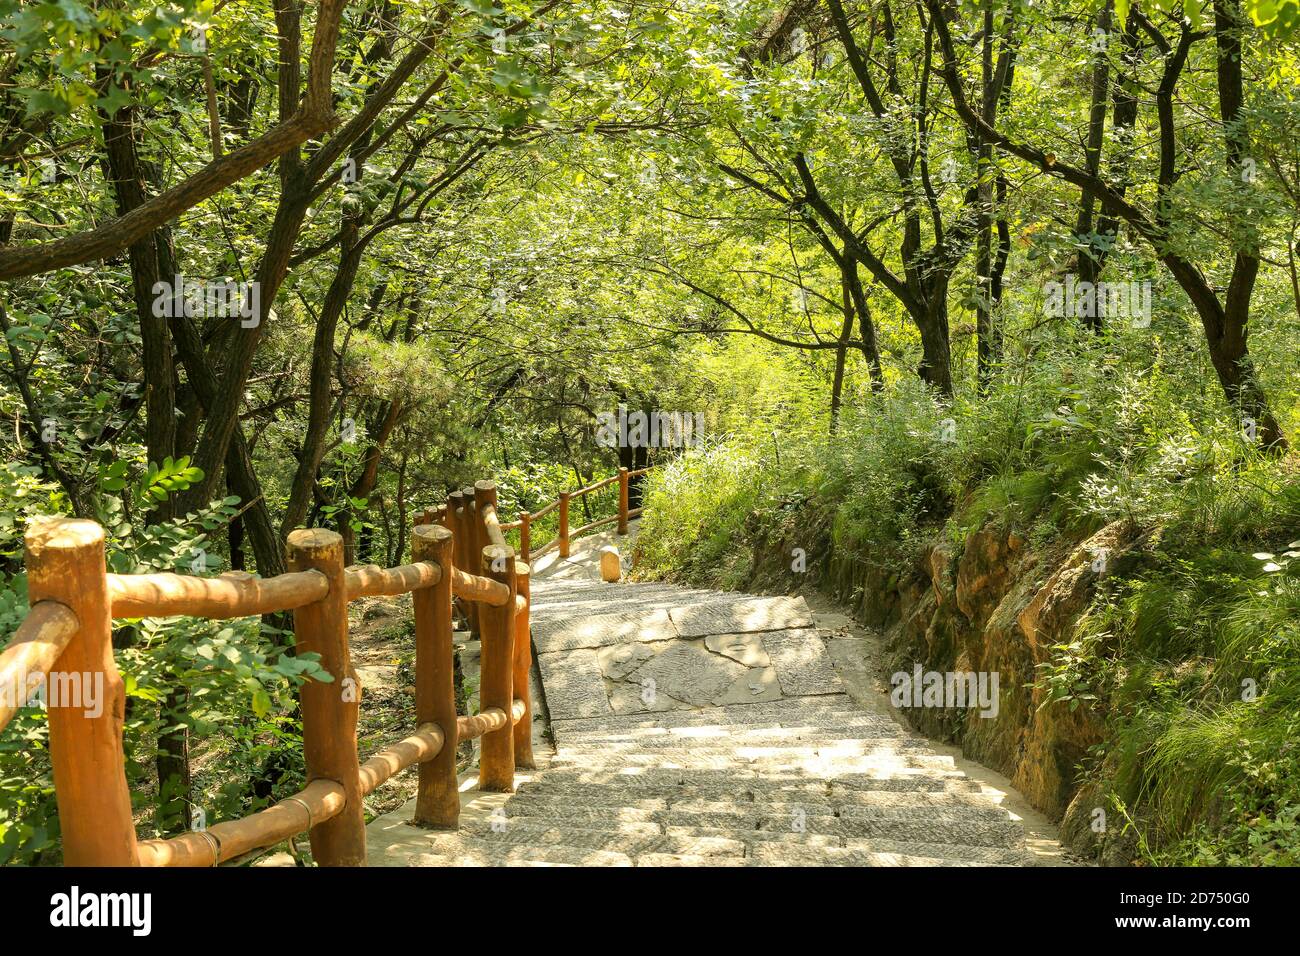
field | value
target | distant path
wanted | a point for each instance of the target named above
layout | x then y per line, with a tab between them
709	728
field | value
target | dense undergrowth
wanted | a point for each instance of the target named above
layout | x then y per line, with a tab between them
1192	657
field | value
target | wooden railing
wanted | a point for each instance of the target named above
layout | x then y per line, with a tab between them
68	631
564	536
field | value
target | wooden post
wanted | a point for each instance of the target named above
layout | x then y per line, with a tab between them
329	711
622	501
496	673
485	495
455	502
564	524
525	536
472	531
459	521
86	698
523	663
437	802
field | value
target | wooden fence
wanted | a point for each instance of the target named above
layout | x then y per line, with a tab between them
68	632
564	538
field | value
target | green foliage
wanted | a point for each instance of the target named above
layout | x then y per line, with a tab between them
70	39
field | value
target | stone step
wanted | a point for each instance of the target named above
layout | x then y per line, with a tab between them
758	737
725	830
530	845
978	826
684	859
948	851
523	842
632	804
925	826
520	831
474	853
536	798
827	763
567	813
952	781
629	838
753	750
705	723
920	825
824	710
669	782
782	854
751	837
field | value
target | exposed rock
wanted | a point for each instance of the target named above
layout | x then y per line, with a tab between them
575	686
746	648
633	698
983	574
940	562
758	685
989	611
579	631
1067	592
618	661
755	614
690	673
1055	740
802	665
1089	826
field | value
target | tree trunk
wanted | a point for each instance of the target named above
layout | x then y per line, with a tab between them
866	326
122	153
841	352
319	405
936	354
240	475
175	788
1086	259
172	763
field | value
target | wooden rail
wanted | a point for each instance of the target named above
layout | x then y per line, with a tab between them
460	554
565	536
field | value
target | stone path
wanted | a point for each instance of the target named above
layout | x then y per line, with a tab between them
703	728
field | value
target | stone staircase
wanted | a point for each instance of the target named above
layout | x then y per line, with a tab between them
700	728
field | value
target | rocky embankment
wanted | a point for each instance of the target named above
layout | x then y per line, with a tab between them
992	605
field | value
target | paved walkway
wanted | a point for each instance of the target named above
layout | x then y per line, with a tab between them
704	728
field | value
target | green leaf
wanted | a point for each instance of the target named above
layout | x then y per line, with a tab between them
261	703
